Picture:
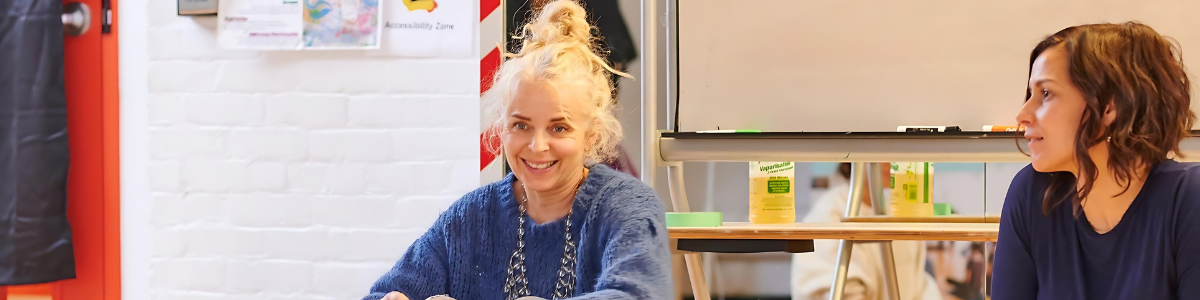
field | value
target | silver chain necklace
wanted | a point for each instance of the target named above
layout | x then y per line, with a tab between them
517	284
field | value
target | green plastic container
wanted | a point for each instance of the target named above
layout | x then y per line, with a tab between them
694	219
941	209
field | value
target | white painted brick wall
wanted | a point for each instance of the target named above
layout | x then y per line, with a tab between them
309	111
294	175
357	145
273	144
222	109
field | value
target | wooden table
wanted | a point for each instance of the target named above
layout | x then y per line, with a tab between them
858	231
937	219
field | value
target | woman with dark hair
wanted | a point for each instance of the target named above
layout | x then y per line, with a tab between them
1102	212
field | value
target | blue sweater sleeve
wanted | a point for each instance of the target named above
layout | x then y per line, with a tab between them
1014	275
637	261
1187	238
422	271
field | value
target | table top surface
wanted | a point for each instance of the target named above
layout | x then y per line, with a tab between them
865	231
935	219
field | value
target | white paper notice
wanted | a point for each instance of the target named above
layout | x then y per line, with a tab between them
429	28
261	24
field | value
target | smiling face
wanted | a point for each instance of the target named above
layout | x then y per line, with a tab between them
546	135
1052	114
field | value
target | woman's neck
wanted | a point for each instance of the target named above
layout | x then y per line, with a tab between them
547	206
1109	198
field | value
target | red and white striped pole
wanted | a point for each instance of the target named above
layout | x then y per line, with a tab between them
491	34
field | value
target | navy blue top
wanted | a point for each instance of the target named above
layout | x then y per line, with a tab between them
1152	253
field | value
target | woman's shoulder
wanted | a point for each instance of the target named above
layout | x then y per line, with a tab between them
1180	179
1174	187
621	194
1171	171
615	182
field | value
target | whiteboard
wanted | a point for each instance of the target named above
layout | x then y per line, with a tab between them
872	65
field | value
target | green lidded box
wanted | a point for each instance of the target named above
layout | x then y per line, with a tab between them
694	219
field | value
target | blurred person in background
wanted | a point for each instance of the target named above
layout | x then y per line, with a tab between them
812	273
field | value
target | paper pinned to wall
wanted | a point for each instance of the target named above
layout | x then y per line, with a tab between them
260	24
445	28
300	24
341	24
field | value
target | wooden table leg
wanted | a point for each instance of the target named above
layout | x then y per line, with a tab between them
696	274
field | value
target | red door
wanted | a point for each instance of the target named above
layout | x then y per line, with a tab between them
90	68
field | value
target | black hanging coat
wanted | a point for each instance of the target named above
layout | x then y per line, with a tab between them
35	239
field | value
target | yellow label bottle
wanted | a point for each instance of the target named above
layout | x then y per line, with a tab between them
772	192
912	189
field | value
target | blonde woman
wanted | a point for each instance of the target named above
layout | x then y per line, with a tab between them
562	225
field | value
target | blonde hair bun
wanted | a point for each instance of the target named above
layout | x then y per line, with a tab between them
557	45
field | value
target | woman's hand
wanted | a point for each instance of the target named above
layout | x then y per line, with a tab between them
395	296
